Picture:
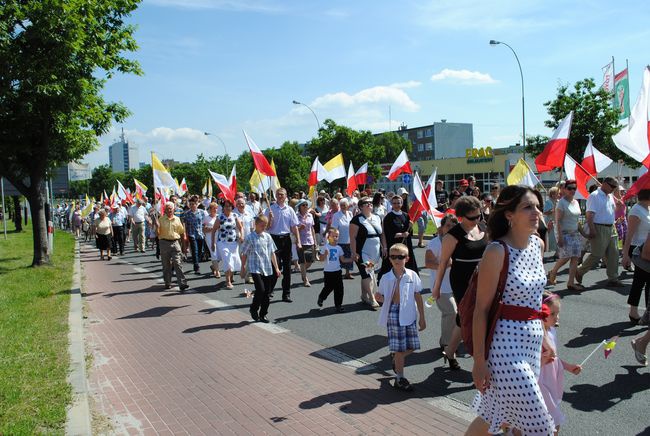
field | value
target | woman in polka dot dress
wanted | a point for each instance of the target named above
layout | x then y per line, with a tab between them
229	234
507	380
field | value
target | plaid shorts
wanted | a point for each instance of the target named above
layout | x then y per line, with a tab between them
401	337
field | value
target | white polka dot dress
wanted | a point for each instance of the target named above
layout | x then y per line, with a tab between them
513	360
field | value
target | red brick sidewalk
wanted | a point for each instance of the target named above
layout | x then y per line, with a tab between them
167	363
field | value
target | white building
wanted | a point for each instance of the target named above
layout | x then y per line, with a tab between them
123	156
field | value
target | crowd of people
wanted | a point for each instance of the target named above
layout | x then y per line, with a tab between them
517	372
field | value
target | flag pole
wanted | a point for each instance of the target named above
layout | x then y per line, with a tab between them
613	102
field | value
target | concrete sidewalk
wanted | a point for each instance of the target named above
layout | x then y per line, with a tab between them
171	363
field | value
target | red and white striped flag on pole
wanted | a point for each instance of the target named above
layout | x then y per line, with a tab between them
224	185
352	181
362	174
401	165
261	164
579	174
594	161
553	154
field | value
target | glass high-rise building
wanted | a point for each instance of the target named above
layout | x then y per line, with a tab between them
123	156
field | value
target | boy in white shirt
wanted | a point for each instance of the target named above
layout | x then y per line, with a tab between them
332	253
400	311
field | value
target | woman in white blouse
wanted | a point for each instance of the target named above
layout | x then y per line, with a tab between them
638	227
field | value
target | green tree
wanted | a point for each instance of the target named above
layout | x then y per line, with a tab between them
55	58
291	166
593	115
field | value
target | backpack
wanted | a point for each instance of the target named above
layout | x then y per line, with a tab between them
467	305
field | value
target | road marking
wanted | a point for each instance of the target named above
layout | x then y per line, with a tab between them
454	407
336	356
271	328
140	269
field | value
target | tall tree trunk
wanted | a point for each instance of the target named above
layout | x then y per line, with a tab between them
36	198
18	216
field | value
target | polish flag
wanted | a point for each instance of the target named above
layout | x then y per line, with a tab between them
576	172
634	139
553	154
352	181
259	160
233	181
183	187
362	174
161	199
316	174
401	165
594	161
642	183
121	192
105	198
431	190
224	185
421	203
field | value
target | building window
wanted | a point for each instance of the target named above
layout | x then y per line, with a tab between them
428	146
420	147
405	135
428	133
420	134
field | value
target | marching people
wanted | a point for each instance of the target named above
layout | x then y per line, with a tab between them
138	216
259	260
333	255
506	380
341	222
446	303
229	234
170	233
193	220
397	228
637	232
639	344
366	247
118	219
209	222
282	222
602	233
306	254
463	245
399	291
103	234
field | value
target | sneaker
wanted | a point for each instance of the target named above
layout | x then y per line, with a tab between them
403	385
340	309
255	316
183	287
264	319
320	302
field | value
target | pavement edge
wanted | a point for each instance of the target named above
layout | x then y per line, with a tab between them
78	414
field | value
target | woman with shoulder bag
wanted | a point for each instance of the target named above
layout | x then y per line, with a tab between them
507	378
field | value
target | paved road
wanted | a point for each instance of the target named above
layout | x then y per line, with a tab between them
611	395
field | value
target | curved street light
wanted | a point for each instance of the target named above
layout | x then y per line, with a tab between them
225	152
314	113
523	110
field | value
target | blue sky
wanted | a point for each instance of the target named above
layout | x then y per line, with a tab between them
226	65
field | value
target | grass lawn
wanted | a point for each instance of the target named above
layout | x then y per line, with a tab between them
34	360
431	228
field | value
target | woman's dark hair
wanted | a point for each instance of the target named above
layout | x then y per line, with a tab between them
376	199
320	200
448	217
643	195
466	204
508	200
454	194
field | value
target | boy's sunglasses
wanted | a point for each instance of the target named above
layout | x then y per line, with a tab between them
472	218
397	256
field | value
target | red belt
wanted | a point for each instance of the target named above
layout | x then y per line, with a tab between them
521	313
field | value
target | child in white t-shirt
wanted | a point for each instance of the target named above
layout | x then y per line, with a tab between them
332	254
400	289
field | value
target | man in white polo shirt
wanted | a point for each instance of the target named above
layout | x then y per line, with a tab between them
138	214
602	233
283	221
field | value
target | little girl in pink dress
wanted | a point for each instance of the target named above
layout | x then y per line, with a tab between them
551	376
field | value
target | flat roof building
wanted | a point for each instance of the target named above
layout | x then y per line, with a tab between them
123	156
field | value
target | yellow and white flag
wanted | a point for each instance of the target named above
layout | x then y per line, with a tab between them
521	174
89	207
260	183
161	177
335	168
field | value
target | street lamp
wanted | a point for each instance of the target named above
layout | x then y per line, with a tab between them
225	152
523	110
317	122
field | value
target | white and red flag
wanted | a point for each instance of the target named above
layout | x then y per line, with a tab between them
352	181
161	199
401	165
224	185
105	198
233	181
121	191
362	174
594	161
642	183
576	172
553	154
634	139
140	189
261	164
317	173
431	190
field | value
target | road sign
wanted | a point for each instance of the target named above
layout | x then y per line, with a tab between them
406	178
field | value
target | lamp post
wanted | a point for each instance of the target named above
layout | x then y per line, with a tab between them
523	110
314	113
225	152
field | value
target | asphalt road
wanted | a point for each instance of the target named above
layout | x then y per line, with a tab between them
611	396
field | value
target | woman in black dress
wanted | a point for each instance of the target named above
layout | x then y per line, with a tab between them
463	245
397	228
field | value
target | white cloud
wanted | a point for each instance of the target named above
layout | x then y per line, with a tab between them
492	16
406	85
374	95
465	77
263	6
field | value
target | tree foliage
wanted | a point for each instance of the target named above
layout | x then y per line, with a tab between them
55	58
593	114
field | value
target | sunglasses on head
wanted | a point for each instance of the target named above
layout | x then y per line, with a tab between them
397	256
472	218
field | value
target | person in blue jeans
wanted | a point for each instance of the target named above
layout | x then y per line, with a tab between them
193	220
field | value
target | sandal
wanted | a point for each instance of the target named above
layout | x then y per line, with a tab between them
639	356
576	287
551	278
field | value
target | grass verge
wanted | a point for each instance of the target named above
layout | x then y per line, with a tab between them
34	361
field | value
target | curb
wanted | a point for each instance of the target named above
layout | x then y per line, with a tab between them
78	414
